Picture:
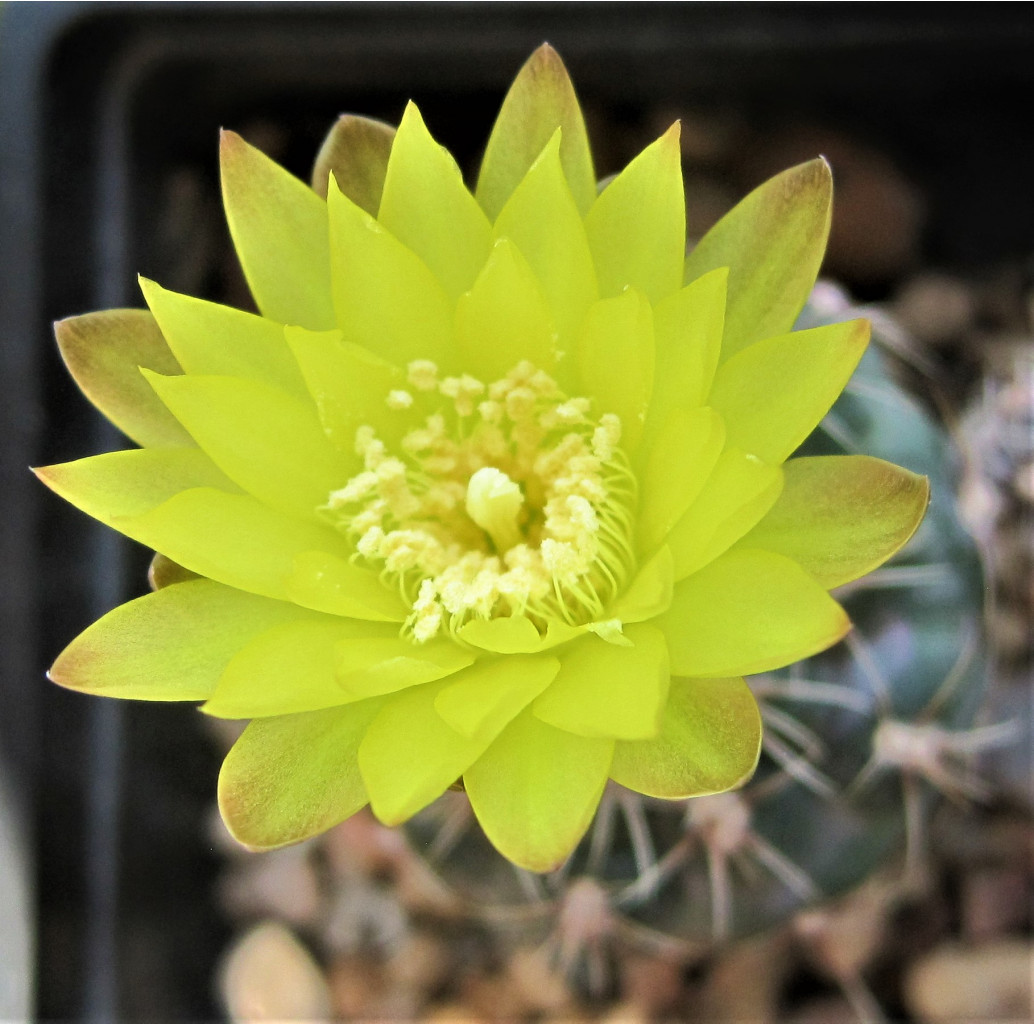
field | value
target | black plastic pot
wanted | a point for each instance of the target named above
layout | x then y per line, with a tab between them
108	125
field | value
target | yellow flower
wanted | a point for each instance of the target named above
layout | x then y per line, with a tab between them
494	489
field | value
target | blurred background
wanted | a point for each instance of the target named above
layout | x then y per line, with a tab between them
119	897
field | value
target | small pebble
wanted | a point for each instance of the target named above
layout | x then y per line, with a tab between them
654	982
625	1012
268	975
357	986
746	980
541	986
937	309
494	998
421	962
988	982
454	1013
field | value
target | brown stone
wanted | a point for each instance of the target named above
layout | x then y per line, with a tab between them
268	975
936	308
989	982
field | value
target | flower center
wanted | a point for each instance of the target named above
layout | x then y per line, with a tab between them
505	498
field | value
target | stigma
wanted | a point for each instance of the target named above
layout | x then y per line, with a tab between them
495	502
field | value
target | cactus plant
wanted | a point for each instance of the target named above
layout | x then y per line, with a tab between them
345	678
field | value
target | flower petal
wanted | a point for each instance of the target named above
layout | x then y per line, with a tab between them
104	353
541	100
637	226
748	611
504	319
486	697
265	440
409	756
615	360
650	591
515	634
542	219
774	393
349	385
605	690
428	208
208	338
355	152
385	297
279	229
536	789
369	668
840	517
330	583
164	572
120	484
688	331
170	645
773	243
231	538
289	667
292	777
681	457
737	494
709	742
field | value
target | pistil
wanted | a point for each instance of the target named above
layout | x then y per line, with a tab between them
495	503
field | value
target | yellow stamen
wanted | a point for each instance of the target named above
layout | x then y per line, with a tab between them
511	499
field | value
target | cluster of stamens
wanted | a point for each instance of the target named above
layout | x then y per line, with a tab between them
503	499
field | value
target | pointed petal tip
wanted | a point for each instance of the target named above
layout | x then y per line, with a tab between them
545	58
818	169
60	676
412	111
861	331
44	474
63	674
149	289
818	173
234	148
335	193
841	627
